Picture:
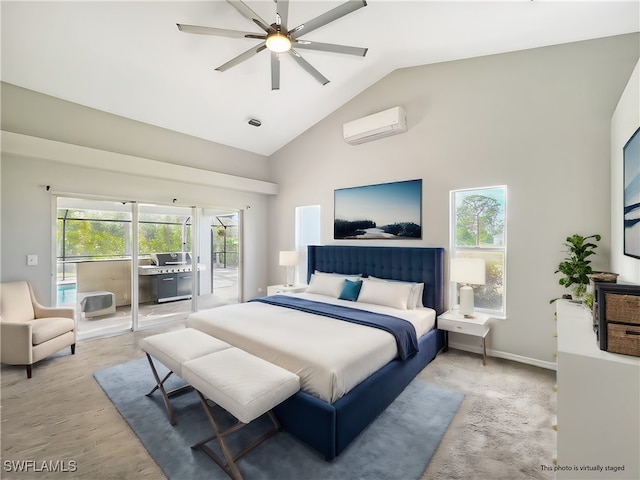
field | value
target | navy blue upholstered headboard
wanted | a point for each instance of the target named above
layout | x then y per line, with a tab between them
410	264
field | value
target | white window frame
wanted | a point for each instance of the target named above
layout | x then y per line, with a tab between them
455	250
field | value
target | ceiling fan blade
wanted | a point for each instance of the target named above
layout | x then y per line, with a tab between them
330	47
308	67
221	32
242	57
251	15
275	71
282	10
327	17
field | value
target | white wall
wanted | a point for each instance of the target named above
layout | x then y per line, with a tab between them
625	121
536	121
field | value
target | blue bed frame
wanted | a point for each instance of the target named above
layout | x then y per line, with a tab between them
329	428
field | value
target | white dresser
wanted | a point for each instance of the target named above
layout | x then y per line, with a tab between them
598	403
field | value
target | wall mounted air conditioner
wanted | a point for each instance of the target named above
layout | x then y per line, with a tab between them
379	125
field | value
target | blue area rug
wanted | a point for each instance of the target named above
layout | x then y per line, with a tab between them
398	445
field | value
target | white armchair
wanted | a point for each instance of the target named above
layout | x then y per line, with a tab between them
29	331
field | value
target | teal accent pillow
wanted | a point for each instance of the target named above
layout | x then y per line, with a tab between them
350	290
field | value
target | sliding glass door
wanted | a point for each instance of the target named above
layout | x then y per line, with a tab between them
219	258
126	266
164	272
93	264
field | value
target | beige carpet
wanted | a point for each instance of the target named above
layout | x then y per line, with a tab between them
502	430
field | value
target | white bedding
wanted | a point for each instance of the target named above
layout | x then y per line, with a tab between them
330	356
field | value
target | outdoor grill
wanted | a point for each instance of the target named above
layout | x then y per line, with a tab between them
171	276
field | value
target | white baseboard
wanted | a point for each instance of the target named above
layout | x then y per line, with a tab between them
506	355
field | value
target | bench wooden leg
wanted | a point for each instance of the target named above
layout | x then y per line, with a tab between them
230	465
165	394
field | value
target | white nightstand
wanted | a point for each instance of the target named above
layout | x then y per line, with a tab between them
276	289
454	322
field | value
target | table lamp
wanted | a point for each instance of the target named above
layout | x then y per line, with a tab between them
289	259
468	271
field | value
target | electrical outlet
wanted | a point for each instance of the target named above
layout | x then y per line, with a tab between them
259	289
32	260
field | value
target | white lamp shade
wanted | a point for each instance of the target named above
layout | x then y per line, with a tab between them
467	270
289	258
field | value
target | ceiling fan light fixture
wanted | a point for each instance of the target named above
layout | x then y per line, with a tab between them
279	43
278	38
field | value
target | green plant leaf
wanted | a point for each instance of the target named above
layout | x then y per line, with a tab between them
576	267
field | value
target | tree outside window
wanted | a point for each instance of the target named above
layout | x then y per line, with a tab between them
92	233
478	228
160	233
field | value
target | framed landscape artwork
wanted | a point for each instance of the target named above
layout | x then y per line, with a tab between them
383	211
631	155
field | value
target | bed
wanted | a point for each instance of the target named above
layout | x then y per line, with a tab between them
352	378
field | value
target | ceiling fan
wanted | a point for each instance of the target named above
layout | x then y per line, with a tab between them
278	39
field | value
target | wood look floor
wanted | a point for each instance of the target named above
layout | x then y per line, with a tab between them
62	414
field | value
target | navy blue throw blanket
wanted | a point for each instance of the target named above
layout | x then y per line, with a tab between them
403	331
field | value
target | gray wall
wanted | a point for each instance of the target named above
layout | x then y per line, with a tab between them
537	121
31	113
27	208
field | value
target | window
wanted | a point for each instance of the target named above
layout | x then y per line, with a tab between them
478	230
307	233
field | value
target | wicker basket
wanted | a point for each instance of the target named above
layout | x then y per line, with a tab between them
622	308
606	277
623	339
600	277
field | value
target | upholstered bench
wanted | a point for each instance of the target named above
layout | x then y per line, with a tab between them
244	385
173	349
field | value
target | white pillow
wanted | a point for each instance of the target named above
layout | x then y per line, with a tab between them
330	285
419	292
415	300
344	275
317	272
389	294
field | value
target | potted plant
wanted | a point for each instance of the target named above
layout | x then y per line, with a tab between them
576	266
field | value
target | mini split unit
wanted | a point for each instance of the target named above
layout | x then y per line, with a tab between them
379	125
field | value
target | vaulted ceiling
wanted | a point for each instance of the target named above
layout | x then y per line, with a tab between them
130	59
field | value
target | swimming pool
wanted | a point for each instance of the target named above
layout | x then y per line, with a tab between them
66	293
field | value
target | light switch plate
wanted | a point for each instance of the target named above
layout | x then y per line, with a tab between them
32	260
